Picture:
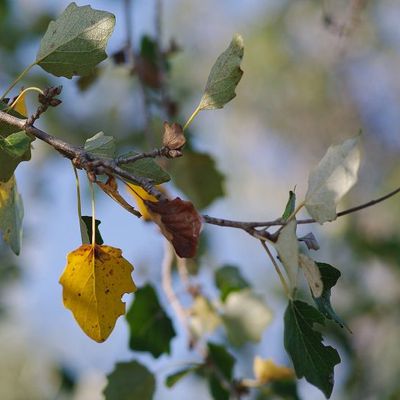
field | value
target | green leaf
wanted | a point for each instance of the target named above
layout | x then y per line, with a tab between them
130	381
87	220
224	76
332	178
146	168
311	359
173	379
221	364
329	276
101	145
283	389
75	43
198	177
11	214
290	206
229	279
245	317
6	129
150	327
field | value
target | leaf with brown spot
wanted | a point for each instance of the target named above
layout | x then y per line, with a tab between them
94	280
179	222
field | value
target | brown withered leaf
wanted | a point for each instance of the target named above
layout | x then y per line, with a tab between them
111	188
173	137
179	222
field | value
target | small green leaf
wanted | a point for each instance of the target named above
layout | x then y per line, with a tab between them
130	381
311	359
221	364
229	279
75	43
146	168
198	177
11	214
101	145
224	76
290	206
329	276
245	317
87	220
150	327
6	129
282	390
173	379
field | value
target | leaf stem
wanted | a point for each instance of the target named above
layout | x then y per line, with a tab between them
192	117
93	215
277	269
79	203
32	88
20	76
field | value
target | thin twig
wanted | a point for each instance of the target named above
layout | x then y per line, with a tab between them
161	152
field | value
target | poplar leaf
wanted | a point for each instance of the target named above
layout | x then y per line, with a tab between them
312	274
139	194
266	371
288	252
6	129
87	226
332	178
93	281
101	145
228	279
245	317
11	214
130	381
224	76
311	359
203	317
75	43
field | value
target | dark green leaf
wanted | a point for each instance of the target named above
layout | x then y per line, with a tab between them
197	176
282	389
87	220
220	366
290	206
224	76
173	379
229	279
329	277
311	359
75	43
101	145
6	129
146	168
86	82
148	49
150	327
130	381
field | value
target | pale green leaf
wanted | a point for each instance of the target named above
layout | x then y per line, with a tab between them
203	317
224	76
75	43
333	177
101	145
11	214
288	252
290	206
228	279
245	317
312	274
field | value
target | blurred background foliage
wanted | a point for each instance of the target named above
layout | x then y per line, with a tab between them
316	72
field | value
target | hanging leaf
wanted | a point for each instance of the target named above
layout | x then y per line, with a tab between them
130	381
198	177
266	371
224	76
290	206
111	188
228	279
150	327
145	168
100	145
93	281
75	43
139	194
333	177
311	359
312	274
87	221
288	251
245	317
329	276
179	222
203	317
173	379
11	214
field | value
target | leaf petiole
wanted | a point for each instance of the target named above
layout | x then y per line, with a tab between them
93	215
20	76
29	89
192	117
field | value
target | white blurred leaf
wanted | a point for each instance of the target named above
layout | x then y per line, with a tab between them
312	274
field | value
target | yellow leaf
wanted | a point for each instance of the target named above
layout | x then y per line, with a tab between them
139	194
266	371
94	280
20	106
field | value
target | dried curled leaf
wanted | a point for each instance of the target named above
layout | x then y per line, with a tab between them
94	280
179	222
173	137
266	371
